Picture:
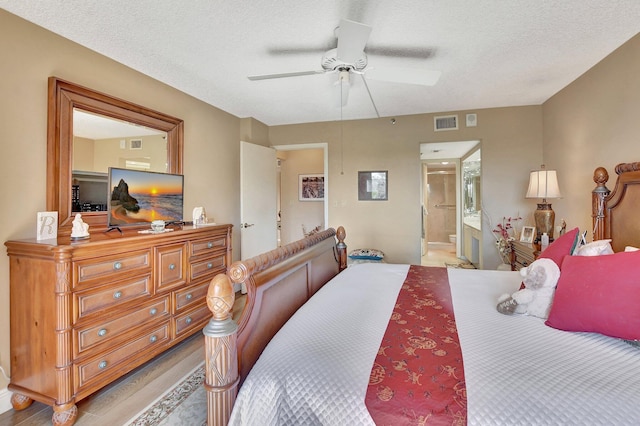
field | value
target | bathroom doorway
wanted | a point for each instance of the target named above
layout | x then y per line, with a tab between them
441	201
439	212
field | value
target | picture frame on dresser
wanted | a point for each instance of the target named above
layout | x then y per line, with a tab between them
527	234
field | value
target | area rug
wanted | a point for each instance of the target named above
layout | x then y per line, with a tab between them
461	265
185	404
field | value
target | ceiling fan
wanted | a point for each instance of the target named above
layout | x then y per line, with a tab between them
349	58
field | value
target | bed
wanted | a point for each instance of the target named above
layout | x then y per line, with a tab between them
395	344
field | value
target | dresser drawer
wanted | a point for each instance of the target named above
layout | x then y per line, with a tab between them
112	295
190	296
190	320
90	336
96	270
91	370
207	246
170	266
207	267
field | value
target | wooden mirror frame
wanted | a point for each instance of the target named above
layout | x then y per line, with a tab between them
63	98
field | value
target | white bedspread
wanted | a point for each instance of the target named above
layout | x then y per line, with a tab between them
328	345
518	371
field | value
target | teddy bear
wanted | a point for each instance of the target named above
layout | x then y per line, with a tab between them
539	280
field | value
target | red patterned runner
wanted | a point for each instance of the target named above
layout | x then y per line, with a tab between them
418	376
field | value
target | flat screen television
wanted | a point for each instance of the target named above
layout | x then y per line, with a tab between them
139	197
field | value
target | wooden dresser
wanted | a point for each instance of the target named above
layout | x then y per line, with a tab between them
85	313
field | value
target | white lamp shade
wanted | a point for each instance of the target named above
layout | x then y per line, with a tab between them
543	184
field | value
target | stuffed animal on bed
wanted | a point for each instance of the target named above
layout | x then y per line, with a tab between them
539	279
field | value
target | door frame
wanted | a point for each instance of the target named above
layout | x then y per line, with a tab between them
325	149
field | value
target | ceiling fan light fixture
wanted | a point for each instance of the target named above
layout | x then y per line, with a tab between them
344	82
331	62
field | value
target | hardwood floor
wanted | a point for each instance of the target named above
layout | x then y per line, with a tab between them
124	399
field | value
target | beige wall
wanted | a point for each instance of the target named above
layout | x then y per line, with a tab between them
29	56
595	121
296	213
108	153
511	141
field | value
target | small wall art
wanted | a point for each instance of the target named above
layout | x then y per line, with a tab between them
311	187
373	186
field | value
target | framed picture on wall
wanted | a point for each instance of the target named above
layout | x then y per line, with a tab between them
372	186
311	187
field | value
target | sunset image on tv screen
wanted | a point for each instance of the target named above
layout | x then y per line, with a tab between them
138	197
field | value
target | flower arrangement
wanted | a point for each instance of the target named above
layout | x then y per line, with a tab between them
505	232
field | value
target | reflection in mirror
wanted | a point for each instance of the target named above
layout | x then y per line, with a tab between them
65	99
471	181
101	142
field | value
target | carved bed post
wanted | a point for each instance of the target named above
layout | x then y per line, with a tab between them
221	357
600	177
341	234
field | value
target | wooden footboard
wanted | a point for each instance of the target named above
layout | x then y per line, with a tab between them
278	283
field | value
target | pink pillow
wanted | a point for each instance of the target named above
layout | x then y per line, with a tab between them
560	247
599	294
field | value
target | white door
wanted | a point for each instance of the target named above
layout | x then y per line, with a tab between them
258	211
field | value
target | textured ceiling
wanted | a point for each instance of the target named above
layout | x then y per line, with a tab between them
491	53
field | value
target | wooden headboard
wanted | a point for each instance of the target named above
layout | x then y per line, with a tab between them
278	283
615	213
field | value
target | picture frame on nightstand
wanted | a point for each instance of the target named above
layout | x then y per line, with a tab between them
528	233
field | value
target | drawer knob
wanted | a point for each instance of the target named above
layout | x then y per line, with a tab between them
172	266
102	365
153	338
117	294
189	296
209	265
188	320
153	311
102	332
209	244
117	265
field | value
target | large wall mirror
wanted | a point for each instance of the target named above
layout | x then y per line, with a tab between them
471	174
88	132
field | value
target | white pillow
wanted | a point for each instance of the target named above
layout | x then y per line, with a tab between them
631	248
595	248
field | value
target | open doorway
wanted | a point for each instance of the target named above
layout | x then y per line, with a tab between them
441	201
298	214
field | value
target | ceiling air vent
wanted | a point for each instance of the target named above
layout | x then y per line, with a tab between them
445	122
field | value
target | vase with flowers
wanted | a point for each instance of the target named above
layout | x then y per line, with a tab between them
505	233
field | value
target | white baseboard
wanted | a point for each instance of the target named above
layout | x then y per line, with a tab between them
5	400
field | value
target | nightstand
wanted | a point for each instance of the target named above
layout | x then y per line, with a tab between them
523	255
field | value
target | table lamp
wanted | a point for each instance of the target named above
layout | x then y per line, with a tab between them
543	184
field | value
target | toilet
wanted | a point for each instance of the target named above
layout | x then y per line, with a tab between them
452	238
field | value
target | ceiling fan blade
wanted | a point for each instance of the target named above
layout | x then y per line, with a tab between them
284	75
404	75
391	51
364	80
352	38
